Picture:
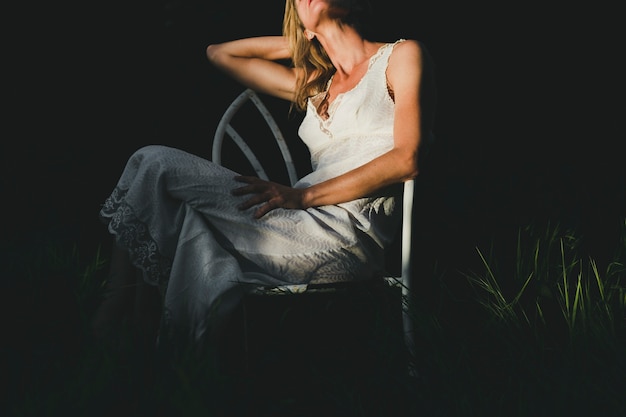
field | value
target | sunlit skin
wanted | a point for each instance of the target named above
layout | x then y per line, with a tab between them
253	62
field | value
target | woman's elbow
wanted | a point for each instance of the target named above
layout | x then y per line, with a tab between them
215	54
411	175
410	167
211	53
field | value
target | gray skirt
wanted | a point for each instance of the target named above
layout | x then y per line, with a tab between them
176	216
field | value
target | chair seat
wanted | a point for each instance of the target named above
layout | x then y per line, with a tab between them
330	287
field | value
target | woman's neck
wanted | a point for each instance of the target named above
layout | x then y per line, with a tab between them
347	50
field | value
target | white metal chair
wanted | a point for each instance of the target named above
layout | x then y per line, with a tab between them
225	129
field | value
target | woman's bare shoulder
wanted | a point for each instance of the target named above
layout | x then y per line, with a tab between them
407	48
406	58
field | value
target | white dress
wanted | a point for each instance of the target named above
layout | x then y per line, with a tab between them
175	214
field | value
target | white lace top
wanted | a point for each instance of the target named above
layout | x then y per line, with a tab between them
358	129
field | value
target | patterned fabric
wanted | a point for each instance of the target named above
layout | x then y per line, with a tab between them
175	214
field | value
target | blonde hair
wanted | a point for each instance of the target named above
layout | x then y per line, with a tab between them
307	55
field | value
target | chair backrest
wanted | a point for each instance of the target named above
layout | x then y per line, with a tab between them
225	129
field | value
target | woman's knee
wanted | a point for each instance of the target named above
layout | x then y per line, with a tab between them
149	156
150	152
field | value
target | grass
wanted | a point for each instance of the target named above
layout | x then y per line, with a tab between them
557	327
540	331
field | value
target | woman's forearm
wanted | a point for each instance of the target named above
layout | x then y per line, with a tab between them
390	168
254	62
271	48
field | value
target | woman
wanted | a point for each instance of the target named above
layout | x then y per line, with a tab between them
193	227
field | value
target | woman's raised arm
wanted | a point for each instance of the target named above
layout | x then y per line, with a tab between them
255	63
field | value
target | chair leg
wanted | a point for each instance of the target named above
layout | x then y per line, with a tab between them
245	336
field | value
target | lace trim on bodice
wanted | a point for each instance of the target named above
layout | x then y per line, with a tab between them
316	100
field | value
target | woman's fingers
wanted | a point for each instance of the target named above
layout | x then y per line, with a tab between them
253	201
255	185
262	191
266	194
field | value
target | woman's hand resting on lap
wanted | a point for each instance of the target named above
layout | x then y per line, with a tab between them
268	195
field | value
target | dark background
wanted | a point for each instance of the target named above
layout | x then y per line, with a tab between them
529	131
527	126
